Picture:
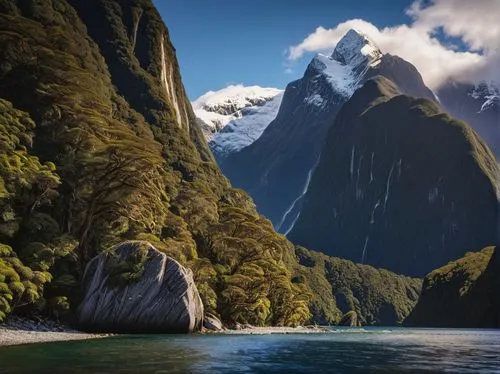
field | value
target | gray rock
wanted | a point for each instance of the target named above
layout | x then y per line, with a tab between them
236	326
349	319
212	323
162	298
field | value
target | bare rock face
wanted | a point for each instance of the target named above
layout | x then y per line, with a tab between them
134	288
350	319
212	323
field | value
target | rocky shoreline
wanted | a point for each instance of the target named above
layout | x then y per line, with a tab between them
253	330
17	331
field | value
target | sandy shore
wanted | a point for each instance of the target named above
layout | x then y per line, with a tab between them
24	331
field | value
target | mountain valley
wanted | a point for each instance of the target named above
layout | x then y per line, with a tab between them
356	196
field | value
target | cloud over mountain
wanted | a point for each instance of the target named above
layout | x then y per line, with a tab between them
427	40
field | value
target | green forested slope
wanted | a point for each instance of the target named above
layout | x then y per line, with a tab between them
123	164
463	293
377	296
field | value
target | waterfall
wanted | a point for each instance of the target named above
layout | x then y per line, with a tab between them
294	203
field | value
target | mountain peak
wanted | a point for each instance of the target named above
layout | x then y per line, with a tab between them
235	97
247	109
357	50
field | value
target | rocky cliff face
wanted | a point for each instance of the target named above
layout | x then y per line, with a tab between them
463	293
478	105
276	168
140	56
400	185
136	288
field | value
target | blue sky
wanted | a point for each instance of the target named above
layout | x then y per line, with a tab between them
221	42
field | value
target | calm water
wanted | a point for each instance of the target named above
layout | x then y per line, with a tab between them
347	351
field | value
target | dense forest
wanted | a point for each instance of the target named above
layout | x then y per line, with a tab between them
463	293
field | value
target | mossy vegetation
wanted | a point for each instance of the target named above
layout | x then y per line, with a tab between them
129	270
463	293
19	284
377	296
101	146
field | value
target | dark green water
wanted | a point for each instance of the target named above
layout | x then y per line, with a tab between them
348	351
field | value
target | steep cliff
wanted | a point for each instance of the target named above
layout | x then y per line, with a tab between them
400	185
463	293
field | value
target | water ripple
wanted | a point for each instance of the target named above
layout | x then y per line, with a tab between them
374	350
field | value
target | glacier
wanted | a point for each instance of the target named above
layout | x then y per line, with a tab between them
235	116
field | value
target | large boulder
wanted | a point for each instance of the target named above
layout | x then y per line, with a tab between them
134	288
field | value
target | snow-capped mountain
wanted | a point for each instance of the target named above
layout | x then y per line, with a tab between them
389	193
357	51
488	94
236	116
243	131
276	168
353	56
478	105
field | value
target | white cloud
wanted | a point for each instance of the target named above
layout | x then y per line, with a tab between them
474	22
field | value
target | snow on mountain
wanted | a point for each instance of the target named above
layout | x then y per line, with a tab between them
234	117
357	50
216	109
244	130
338	75
477	104
276	168
348	64
489	92
491	101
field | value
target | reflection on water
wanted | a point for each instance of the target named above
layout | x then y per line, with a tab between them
347	351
